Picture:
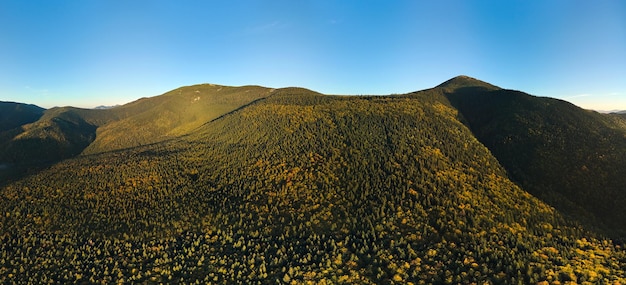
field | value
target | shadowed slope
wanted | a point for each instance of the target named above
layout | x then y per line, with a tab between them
59	134
13	115
572	158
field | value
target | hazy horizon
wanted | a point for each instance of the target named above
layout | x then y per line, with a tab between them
133	100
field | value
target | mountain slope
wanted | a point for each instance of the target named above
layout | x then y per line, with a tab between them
298	187
170	115
572	158
56	134
34	138
13	115
60	133
621	115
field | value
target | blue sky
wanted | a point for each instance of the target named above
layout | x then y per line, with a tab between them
87	53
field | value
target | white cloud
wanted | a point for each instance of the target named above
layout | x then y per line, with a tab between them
578	96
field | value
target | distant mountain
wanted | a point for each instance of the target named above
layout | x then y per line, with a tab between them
105	107
58	134
464	183
13	115
612	111
621	114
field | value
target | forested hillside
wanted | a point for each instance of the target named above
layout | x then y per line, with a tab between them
299	188
32	138
170	115
60	133
13	115
574	159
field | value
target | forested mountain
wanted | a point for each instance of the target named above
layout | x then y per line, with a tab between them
572	158
170	115
60	133
293	186
34	140
13	115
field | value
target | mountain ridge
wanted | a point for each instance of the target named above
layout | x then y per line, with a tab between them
13	114
292	186
116	129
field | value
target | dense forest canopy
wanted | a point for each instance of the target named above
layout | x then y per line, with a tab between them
462	183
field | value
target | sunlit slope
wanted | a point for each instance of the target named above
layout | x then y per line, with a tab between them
572	158
300	187
172	114
31	137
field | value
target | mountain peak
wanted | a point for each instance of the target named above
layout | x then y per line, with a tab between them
465	81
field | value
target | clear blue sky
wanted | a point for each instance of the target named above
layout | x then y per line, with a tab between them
87	53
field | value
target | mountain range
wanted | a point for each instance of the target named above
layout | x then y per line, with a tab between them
465	182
